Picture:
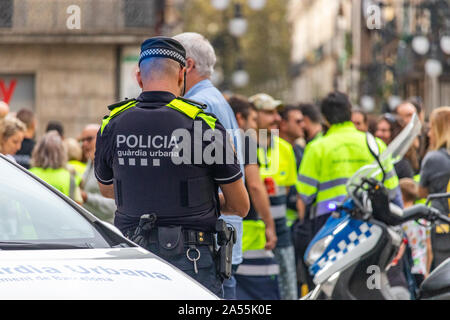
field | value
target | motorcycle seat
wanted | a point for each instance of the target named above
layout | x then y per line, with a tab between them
438	282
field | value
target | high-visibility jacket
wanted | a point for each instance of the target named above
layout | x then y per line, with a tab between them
79	167
253	235
278	171
330	161
58	178
292	214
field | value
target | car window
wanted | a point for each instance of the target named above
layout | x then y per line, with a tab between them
29	211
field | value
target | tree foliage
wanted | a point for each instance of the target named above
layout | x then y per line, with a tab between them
264	48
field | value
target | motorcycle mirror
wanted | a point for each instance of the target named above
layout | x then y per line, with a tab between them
375	151
373	145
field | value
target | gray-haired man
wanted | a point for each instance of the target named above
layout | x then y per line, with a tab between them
200	61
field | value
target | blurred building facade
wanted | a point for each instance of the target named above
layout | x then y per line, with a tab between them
367	48
68	59
320	53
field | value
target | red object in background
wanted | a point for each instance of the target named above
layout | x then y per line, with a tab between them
6	93
270	186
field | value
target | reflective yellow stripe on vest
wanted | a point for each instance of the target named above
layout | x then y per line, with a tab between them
192	112
115	112
181	106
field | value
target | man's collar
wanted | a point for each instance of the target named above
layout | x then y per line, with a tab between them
317	135
205	83
347	125
156	96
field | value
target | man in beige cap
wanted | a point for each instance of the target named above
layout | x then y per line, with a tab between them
278	171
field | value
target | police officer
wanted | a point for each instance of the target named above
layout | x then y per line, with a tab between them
163	159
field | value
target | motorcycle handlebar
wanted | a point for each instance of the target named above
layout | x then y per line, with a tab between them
421	211
435	196
415	212
440	216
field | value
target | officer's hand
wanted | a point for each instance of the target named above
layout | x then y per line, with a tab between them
271	239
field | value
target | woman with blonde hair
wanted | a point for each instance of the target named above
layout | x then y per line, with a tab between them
49	162
435	176
12	132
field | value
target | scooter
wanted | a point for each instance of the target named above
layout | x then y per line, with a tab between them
348	258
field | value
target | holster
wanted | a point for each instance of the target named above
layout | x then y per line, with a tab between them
226	238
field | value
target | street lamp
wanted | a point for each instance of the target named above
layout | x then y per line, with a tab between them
393	102
421	45
256	4
240	77
445	44
238	25
367	103
433	68
220	4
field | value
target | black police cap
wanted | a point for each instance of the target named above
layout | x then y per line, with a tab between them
163	47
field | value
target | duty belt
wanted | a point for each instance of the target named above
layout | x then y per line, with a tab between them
191	237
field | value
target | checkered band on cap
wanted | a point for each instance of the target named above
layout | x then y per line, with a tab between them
163	53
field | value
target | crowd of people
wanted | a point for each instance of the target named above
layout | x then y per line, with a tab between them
63	162
424	169
291	174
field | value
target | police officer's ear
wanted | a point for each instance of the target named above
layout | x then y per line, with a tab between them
139	78
181	77
181	73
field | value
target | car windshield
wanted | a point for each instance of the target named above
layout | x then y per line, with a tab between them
32	214
393	153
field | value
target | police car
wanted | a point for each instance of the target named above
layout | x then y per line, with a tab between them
51	248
